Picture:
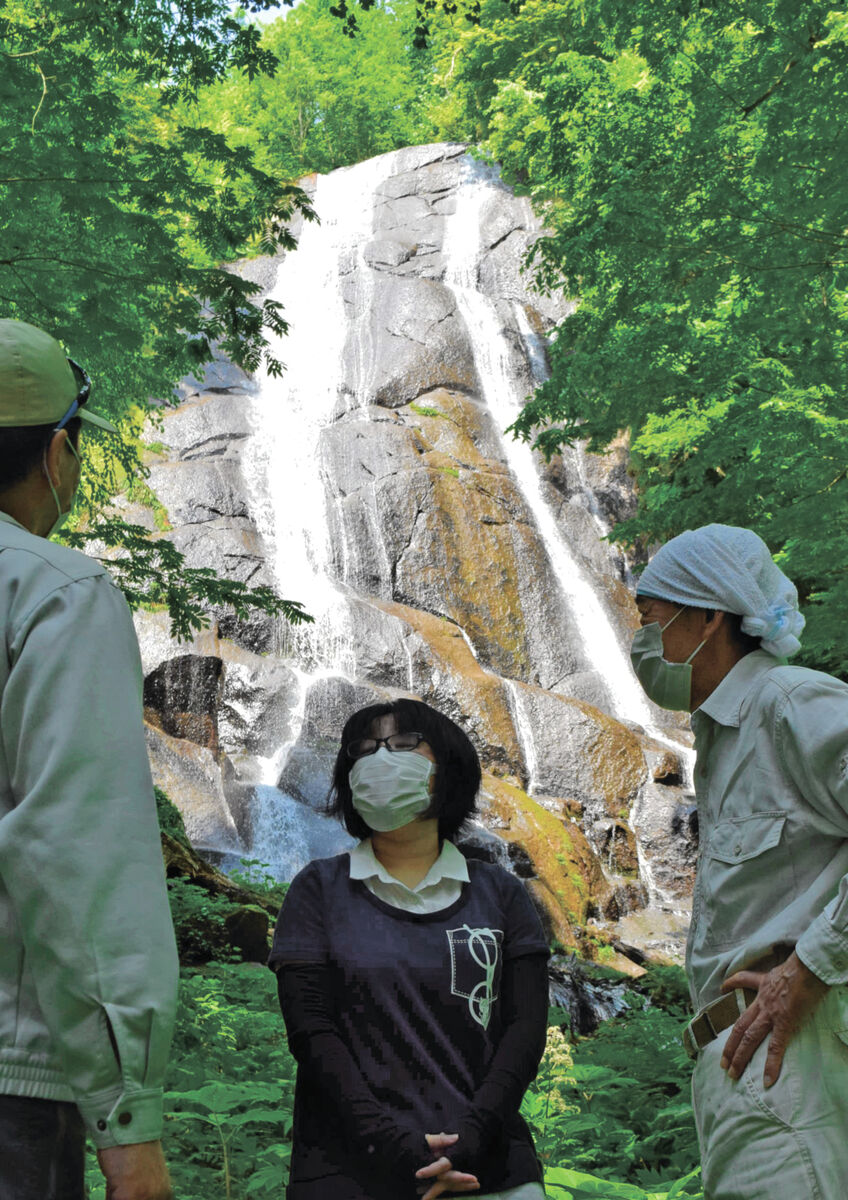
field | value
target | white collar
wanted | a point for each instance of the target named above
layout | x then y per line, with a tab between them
450	864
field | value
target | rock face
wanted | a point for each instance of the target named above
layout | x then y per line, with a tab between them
374	483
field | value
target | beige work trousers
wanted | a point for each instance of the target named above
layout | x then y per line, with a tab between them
786	1142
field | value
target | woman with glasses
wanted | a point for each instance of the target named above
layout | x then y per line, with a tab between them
413	983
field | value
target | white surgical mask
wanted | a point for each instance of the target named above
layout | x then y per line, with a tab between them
390	788
668	684
63	514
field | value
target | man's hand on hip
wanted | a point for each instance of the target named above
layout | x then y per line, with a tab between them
786	997
135	1172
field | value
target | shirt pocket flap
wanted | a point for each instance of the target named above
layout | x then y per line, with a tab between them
745	837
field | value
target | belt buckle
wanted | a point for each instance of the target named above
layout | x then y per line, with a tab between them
689	1044
690	1041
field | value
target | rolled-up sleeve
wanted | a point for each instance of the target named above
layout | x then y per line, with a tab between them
80	855
812	737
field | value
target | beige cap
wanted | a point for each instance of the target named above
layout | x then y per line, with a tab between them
37	384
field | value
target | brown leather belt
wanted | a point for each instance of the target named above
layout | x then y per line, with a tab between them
716	1017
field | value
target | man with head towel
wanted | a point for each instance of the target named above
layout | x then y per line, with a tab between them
88	966
767	957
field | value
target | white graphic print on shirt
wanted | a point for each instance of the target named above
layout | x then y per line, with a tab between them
474	951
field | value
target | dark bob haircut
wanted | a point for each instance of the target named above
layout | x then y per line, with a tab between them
457	778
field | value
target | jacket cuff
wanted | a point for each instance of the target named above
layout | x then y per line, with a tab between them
122	1119
824	950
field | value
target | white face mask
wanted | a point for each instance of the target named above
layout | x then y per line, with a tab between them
63	514
390	788
668	684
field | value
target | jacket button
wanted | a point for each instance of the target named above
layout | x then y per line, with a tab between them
101	1124
737	849
124	1118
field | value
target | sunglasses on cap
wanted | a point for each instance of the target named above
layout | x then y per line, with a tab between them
84	391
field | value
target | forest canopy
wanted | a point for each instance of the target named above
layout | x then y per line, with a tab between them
690	162
117	219
688	159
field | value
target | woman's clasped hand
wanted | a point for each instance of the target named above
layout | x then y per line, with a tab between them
445	1179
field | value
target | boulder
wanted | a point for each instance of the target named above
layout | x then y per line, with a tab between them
212	425
445	674
664	818
584	754
199	490
419	342
189	774
181	697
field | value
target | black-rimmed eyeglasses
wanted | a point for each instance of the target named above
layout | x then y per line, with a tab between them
394	742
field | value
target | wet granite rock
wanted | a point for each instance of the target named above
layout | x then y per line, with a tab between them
448	589
182	695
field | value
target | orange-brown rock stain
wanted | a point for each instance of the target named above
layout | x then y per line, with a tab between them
570	880
618	761
479	691
479	518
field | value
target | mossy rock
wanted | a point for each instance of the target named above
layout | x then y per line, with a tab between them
215	918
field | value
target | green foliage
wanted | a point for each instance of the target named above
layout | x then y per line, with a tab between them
333	101
152	571
229	1089
667	988
256	876
170	818
688	160
200	923
98	187
424	410
116	212
561	1183
616	1105
425	13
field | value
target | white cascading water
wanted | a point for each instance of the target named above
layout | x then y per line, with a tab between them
598	637
286	487
491	355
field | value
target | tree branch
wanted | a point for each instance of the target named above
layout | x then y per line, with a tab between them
65	262
749	108
43	96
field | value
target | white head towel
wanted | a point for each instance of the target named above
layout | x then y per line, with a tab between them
731	569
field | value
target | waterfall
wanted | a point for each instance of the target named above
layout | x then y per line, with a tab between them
491	352
377	469
286	484
284	472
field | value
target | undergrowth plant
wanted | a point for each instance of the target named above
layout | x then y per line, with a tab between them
609	1113
614	1108
229	1088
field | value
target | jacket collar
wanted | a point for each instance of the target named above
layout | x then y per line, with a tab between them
724	703
450	864
4	516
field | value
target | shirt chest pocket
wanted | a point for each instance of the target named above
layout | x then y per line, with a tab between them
748	871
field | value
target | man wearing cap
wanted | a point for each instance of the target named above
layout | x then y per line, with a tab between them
88	967
767	957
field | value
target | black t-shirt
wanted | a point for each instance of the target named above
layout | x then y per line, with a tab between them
416	999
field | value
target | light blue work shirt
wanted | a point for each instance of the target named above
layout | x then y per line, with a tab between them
771	782
88	962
